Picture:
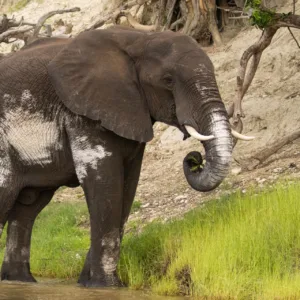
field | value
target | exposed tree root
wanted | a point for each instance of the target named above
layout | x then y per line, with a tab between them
263	155
261	158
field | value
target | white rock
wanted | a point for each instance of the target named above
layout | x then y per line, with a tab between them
171	136
181	197
278	170
236	170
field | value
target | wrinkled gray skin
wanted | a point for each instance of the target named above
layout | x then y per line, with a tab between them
80	112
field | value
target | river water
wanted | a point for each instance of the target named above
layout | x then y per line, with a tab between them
54	291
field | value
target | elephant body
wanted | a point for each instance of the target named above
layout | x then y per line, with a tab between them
79	112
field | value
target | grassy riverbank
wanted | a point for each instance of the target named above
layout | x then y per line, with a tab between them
239	247
244	247
59	244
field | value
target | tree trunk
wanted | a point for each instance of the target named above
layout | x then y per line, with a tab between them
212	22
224	18
213	27
162	13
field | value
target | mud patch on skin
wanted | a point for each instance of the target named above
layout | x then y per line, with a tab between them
111	250
87	156
25	254
26	95
109	264
5	172
12	243
27	132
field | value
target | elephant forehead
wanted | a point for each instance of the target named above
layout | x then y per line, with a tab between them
86	156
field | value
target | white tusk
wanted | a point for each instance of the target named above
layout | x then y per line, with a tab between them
197	135
241	136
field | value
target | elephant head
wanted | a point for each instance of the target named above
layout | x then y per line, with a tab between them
128	79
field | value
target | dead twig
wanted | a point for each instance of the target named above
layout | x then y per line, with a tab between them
177	22
294	6
48	15
255	51
135	24
293	37
245	78
6	24
5	35
239	17
169	16
273	148
119	12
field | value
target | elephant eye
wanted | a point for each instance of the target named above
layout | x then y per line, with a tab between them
168	81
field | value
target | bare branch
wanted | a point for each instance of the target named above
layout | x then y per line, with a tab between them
254	51
239	17
10	33
136	24
263	155
136	2
177	22
170	14
294	6
48	15
293	37
4	23
161	12
116	14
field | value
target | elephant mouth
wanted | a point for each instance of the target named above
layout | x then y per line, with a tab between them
186	135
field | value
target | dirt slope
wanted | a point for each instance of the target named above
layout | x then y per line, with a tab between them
272	107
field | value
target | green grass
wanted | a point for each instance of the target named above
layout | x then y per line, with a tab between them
239	247
21	4
59	245
136	205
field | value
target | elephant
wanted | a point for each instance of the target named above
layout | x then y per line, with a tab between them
80	111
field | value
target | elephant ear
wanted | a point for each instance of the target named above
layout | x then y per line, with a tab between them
94	77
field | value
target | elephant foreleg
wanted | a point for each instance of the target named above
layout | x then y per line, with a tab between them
131	178
16	263
132	169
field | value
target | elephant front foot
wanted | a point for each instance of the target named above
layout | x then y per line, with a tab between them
16	271
99	281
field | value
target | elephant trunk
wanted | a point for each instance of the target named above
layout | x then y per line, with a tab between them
213	124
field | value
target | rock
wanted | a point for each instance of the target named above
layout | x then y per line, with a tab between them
180	197
145	205
236	170
260	180
278	170
171	136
